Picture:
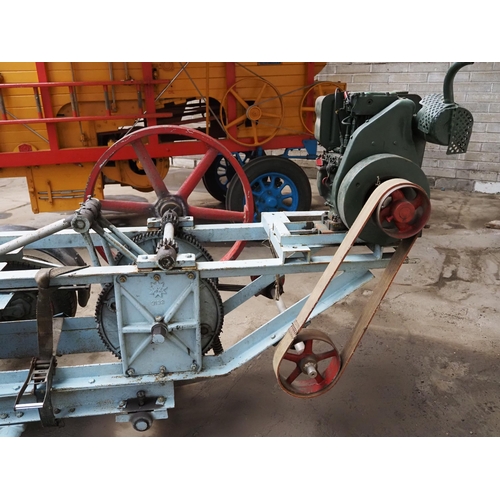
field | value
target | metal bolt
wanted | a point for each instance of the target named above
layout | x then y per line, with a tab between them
158	319
156	277
122	404
157	338
57	410
3	415
161	400
91	381
19	414
122	279
141	394
190	275
141	425
130	372
311	370
17	387
194	366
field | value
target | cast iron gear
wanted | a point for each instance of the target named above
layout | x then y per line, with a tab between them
186	243
149	241
170	217
211	318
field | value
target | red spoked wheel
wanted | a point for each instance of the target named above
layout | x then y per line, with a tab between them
177	201
404	212
310	365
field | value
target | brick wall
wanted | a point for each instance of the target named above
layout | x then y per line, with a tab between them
477	88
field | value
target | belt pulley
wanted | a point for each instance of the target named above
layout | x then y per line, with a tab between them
308	378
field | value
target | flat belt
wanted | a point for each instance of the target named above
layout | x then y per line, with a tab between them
372	305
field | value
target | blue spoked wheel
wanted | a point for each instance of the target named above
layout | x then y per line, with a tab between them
220	173
278	184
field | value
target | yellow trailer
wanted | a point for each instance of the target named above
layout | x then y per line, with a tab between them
57	120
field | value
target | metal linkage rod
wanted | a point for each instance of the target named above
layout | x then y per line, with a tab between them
89	217
35	235
120	236
114	242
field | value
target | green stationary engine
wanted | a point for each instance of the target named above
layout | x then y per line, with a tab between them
371	137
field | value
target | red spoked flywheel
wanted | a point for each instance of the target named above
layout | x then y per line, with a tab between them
178	200
404	211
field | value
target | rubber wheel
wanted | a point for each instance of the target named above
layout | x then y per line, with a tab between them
217	177
220	174
65	256
63	301
278	184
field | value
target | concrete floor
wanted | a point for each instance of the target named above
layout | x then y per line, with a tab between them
429	364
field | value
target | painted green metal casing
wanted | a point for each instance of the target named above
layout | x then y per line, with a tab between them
371	137
390	131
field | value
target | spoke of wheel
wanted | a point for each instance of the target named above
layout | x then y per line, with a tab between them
254	129
239	98
235	251
215	214
398	195
150	168
320	87
238	120
135	207
261	93
271	115
259	186
197	174
306	109
319	378
294	375
279	188
417	202
325	355
295	358
309	347
385	212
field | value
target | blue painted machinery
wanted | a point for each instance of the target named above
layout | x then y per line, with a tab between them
159	308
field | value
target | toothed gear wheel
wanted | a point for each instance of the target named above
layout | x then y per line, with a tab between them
149	241
169	243
209	294
171	217
211	318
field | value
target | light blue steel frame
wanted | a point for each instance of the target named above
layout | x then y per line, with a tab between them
104	387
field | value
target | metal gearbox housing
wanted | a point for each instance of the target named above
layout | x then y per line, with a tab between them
156	320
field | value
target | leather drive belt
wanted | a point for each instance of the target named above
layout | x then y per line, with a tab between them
378	195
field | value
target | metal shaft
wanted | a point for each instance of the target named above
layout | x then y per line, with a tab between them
36	235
